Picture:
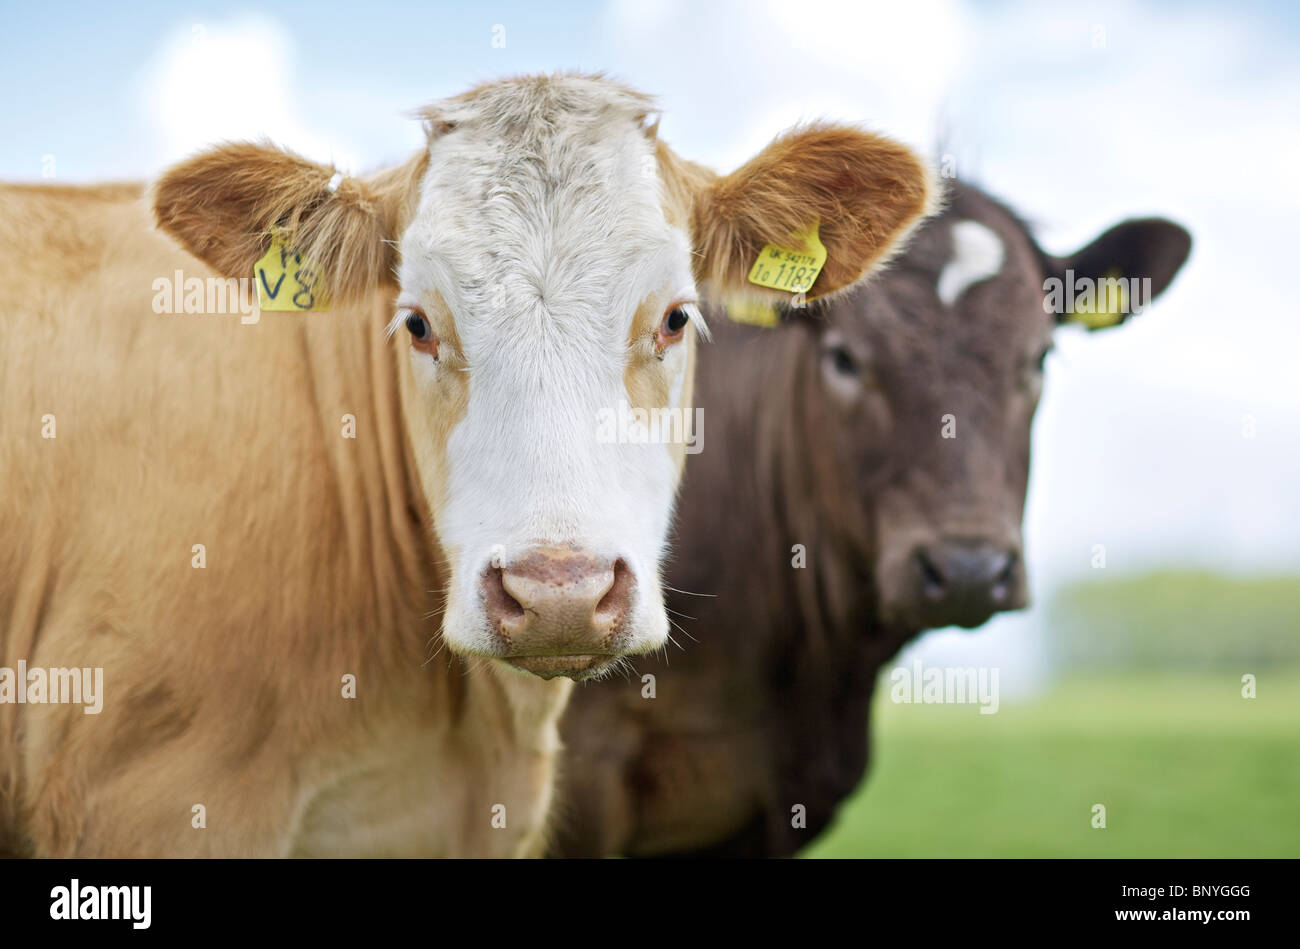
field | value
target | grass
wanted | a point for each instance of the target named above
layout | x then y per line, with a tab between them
1184	765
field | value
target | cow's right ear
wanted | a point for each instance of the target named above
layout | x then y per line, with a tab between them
864	192
223	206
1153	249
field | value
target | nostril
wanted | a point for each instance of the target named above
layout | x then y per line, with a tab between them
932	581
1005	578
614	604
501	607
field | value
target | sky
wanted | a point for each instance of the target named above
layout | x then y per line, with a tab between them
1174	440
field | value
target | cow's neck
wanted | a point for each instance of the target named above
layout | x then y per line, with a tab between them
772	434
754	489
428	714
390	544
835	592
804	641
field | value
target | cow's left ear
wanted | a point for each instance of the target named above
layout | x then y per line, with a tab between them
1135	251
863	193
224	205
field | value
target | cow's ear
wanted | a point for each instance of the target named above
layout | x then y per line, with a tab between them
224	205
864	193
1134	251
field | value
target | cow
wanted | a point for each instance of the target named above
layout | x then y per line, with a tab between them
841	461
261	532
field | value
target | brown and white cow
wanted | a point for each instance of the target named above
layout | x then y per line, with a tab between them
251	528
766	707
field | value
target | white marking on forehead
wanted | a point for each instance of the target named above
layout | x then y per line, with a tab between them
977	254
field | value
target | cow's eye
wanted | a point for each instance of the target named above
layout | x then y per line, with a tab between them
672	326
418	325
842	361
422	335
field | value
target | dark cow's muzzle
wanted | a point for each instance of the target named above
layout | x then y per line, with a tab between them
961	582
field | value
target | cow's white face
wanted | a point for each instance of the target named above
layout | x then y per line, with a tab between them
546	247
541	260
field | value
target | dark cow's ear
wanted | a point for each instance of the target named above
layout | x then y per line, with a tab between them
1117	274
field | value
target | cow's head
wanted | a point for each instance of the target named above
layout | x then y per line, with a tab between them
544	256
927	379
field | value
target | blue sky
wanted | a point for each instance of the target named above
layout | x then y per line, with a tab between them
1077	114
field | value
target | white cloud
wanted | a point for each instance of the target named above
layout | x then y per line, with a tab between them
230	80
731	75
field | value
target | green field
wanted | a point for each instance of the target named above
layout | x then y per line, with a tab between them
1185	766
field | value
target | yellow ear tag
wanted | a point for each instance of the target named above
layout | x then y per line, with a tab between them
286	283
753	312
1108	307
795	271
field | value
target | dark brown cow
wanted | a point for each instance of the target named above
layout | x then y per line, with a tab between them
903	529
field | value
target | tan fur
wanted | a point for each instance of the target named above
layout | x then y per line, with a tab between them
429	432
223	206
223	685
682	181
646	383
868	192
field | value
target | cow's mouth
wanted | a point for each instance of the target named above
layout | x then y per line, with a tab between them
576	667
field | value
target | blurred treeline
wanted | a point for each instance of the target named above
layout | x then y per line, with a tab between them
1175	619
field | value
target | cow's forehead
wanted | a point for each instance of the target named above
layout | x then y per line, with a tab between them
547	203
969	282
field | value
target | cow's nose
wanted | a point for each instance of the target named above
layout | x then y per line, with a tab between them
559	611
964	582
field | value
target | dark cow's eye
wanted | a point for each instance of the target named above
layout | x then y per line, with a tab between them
842	360
422	335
